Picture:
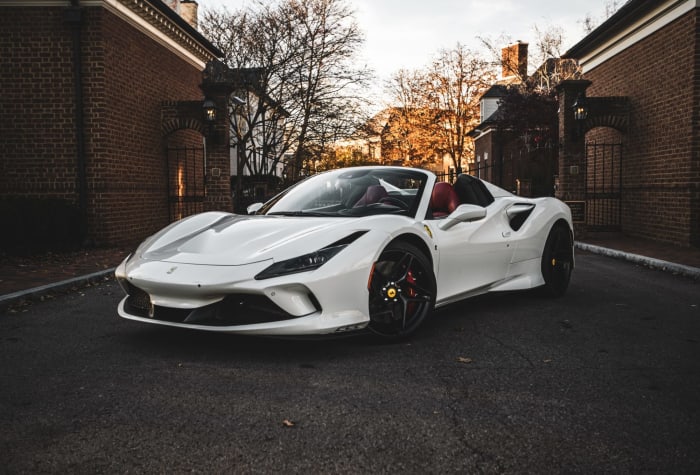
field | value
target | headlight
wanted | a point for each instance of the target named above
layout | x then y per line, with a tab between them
307	262
303	263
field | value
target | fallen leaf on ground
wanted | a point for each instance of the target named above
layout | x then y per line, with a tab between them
287	423
462	359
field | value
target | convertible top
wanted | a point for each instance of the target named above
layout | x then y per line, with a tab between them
473	191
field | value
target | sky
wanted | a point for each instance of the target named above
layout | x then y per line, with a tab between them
409	33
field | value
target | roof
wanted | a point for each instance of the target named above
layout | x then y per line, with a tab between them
487	124
497	90
626	16
184	25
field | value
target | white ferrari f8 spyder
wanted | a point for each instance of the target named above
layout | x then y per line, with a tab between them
366	248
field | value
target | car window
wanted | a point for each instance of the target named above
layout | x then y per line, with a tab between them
352	192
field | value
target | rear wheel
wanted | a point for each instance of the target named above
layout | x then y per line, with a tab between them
557	261
401	291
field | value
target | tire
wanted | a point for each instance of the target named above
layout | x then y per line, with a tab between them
557	261
401	291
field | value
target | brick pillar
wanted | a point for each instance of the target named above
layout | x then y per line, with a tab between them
572	161
217	86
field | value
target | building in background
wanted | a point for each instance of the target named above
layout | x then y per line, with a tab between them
84	125
640	169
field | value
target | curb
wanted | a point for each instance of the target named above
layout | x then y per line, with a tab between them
38	292
650	262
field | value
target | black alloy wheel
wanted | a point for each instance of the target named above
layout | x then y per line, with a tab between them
557	261
401	291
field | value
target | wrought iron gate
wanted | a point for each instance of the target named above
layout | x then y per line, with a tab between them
186	181
603	186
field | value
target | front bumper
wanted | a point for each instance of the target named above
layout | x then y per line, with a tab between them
228	299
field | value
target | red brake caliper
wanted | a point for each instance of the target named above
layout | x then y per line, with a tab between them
411	292
411	280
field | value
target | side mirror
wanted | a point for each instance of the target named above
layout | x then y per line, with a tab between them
254	208
462	214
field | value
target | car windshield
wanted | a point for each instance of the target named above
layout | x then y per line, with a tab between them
352	192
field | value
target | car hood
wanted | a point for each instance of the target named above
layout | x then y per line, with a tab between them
226	239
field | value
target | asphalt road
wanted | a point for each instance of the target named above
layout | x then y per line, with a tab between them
606	379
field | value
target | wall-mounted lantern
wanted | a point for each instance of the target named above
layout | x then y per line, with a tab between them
209	109
580	108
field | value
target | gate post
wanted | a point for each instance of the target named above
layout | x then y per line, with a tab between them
217	87
571	186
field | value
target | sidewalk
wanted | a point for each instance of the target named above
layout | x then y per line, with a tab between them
661	256
35	277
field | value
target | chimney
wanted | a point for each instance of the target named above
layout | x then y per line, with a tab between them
174	4
188	11
514	60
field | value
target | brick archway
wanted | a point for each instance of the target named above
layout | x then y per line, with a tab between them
172	125
187	116
178	115
604	163
610	112
573	179
184	151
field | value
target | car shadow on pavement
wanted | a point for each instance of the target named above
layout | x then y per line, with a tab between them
165	342
203	345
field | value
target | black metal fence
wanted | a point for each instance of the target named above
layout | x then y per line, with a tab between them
449	177
186	181
603	186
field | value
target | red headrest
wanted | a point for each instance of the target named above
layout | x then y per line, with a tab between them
444	199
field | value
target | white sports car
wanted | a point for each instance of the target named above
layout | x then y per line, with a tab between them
358	248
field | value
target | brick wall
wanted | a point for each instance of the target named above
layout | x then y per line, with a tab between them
660	157
127	76
36	104
128	168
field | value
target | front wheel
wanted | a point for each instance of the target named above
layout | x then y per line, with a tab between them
401	291
557	261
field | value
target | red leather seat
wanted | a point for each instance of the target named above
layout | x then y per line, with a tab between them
373	194
444	199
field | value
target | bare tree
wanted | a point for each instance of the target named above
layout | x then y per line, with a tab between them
457	79
589	23
327	80
437	106
302	52
252	44
548	43
408	136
